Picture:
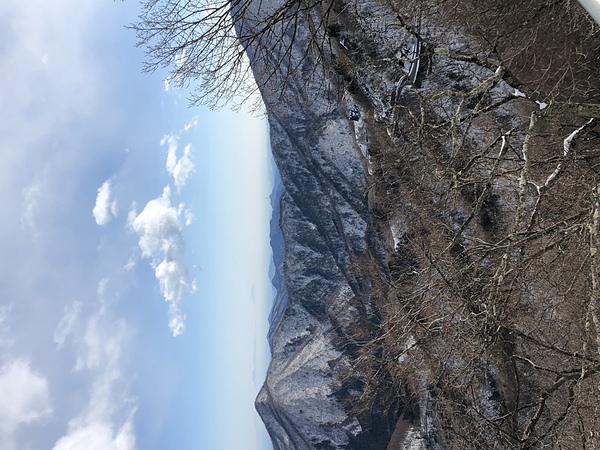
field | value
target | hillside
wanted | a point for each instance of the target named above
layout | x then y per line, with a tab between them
440	221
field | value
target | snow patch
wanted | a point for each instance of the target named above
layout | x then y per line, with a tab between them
397	228
413	440
410	343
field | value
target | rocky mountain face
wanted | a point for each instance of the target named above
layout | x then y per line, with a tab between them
438	286
325	224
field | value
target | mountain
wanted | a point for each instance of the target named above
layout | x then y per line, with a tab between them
438	282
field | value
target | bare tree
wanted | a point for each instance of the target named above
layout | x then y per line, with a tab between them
486	165
205	44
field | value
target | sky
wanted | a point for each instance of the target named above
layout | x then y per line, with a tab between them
134	236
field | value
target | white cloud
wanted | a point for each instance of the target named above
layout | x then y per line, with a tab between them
101	290
189	217
96	349
158	227
67	324
31	196
171	141
25	399
131	262
179	168
98	436
191	124
6	340
184	167
161	240
24	392
101	343
105	208
106	421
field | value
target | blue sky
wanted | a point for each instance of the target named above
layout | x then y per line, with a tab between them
134	236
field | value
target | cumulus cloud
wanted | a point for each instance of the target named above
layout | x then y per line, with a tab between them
179	168
25	399
98	436
161	240
24	392
106	207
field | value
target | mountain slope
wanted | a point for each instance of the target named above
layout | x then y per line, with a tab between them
439	221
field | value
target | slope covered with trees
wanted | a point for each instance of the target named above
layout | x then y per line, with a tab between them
441	215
